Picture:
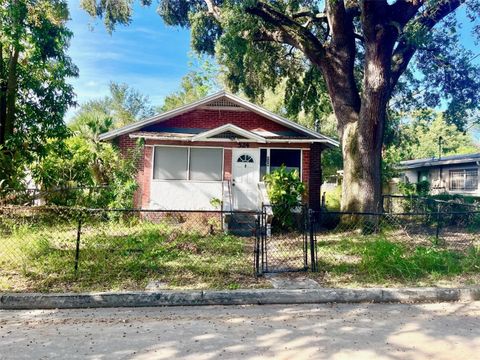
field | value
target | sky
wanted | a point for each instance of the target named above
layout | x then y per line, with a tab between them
146	55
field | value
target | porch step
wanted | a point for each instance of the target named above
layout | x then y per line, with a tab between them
242	224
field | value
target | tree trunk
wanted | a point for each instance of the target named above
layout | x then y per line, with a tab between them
362	182
11	94
3	98
362	133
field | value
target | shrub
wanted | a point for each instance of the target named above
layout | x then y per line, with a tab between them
285	190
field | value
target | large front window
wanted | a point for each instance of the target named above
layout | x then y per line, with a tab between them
465	179
184	163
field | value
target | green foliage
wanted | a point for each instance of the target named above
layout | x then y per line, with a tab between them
285	190
383	259
81	164
424	132
333	199
120	254
82	160
198	83
416	137
216	203
122	106
34	68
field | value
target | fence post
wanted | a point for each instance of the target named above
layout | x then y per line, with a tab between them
313	250
437	234
77	249
222	229
257	244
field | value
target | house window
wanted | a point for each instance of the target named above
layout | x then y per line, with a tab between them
465	179
271	159
170	163
263	163
290	158
206	164
245	159
423	175
183	163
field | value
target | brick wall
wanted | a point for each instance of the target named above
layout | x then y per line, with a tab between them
315	176
146	178
210	119
227	164
206	119
127	145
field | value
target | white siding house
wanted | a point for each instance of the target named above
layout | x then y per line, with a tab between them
457	174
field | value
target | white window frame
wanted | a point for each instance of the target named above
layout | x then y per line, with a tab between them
464	170
282	148
188	163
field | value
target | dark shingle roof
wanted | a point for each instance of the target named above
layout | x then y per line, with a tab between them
444	160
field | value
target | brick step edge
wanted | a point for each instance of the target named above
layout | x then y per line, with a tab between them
10	301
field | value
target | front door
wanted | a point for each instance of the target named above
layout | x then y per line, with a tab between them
246	167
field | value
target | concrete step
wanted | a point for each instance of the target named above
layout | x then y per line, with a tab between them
242	224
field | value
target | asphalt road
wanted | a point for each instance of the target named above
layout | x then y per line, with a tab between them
367	331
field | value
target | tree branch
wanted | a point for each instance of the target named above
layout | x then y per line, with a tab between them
404	10
405	49
213	9
340	23
290	31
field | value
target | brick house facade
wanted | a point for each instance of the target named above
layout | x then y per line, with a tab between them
191	154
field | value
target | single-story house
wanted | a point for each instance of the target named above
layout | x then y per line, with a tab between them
219	147
456	174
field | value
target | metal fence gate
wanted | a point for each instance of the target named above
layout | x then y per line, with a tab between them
277	250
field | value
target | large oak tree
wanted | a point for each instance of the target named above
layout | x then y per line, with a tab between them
360	52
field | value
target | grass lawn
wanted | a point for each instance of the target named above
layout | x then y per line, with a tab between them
38	254
396	258
116	255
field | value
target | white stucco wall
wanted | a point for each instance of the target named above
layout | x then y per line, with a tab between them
184	195
443	181
412	176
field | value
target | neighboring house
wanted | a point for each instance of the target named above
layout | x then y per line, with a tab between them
219	147
457	174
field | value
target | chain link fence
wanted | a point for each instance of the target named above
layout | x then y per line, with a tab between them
283	244
74	249
405	246
398	204
58	248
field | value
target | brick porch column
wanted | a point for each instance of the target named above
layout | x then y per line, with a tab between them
315	176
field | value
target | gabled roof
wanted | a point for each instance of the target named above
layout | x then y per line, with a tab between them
444	160
244	134
221	95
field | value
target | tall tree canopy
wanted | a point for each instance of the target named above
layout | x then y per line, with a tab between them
34	94
122	106
202	79
359	52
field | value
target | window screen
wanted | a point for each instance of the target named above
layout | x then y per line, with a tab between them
290	158
170	163
464	179
206	164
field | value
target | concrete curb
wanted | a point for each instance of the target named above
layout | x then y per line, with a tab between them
10	301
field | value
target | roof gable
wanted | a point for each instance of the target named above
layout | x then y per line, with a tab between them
226	131
220	100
